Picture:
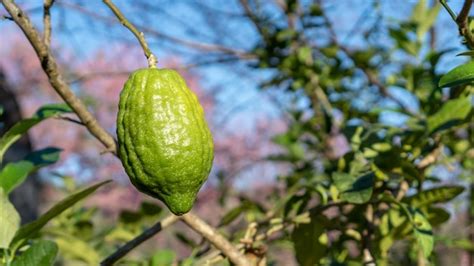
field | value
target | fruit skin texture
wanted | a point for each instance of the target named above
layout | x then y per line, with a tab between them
164	142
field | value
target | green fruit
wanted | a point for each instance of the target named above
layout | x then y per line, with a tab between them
164	142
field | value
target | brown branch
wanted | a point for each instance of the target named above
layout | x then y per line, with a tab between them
50	67
462	21
47	21
215	238
139	35
68	119
147	234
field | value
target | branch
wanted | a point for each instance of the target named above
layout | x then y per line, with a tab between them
50	67
462	21
215	238
139	35
47	22
147	234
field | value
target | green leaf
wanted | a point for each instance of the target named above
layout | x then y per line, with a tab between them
77	249
427	21
234	213
17	130
29	229
9	220
186	240
41	253
44	157
309	248
434	195
422	229
459	75
465	244
437	216
354	190
13	174
450	114
150	209
231	215
305	55
466	53
423	233
163	257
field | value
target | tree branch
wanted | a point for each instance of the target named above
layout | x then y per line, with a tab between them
47	21
215	238
462	21
139	35
50	67
147	234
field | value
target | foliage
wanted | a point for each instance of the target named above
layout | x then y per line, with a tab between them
358	188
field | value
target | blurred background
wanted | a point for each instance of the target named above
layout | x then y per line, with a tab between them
218	46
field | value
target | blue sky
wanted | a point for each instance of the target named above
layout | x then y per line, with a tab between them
85	34
237	93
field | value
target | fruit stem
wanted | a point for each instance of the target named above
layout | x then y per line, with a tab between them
139	35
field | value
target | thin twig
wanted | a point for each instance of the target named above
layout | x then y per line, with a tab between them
204	47
371	77
215	238
147	234
72	120
450	11
78	78
47	21
139	35
51	68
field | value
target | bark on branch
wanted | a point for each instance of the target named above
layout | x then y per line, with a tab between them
50	67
